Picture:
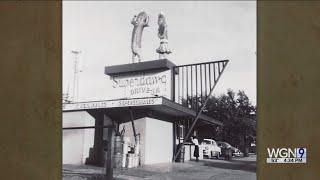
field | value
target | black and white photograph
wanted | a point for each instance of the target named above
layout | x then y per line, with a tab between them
159	90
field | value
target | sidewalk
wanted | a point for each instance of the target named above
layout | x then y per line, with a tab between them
207	169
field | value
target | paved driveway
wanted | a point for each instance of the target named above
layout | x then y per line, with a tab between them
207	169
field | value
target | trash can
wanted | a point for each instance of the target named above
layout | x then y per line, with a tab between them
180	157
118	145
125	145
117	160
130	158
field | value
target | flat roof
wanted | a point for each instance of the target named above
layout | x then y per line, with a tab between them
145	66
156	107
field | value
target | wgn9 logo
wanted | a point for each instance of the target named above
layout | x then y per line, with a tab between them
287	155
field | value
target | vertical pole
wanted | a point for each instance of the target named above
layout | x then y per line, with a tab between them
98	140
178	132
191	87
197	104
75	76
133	127
174	139
179	85
187	69
205	79
214	72
209	76
173	84
201	99
182	83
109	156
188	123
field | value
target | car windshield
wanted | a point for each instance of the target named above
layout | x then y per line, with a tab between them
224	144
214	143
228	145
206	142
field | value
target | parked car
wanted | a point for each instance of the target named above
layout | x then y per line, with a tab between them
224	146
236	152
210	148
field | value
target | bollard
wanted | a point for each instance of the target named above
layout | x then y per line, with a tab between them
228	154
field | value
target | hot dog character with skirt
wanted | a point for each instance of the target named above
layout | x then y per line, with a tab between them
163	49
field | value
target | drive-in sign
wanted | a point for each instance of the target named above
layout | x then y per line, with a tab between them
143	85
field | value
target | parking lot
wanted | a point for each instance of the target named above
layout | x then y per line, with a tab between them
241	168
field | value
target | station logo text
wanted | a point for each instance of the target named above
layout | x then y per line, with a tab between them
287	155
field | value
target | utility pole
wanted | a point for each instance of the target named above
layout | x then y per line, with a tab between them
65	96
75	90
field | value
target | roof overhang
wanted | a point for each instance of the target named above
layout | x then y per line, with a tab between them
146	66
155	107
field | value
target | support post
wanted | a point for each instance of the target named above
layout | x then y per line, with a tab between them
97	158
109	155
133	127
174	138
97	152
173	84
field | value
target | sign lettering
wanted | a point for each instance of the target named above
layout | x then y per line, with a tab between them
111	104
143	85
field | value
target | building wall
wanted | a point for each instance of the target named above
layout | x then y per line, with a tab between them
76	143
159	141
189	151
156	139
140	126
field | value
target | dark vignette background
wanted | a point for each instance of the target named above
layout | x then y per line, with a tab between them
31	72
30	92
289	86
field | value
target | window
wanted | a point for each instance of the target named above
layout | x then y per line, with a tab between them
206	142
180	132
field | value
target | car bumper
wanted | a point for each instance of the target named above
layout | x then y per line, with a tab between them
237	154
206	153
214	153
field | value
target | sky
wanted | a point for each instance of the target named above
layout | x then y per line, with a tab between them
199	31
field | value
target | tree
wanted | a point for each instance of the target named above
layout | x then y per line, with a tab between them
238	116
